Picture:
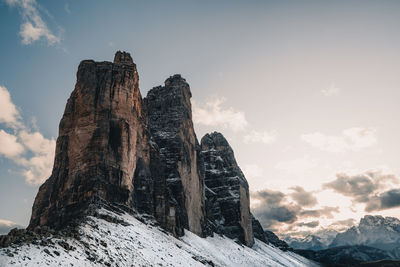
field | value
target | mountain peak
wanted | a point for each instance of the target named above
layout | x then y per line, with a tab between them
377	220
122	57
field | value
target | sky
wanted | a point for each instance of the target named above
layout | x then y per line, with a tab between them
306	92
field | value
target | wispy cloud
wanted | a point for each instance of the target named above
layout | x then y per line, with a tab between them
331	90
30	150
352	139
33	27
66	8
212	113
265	137
215	113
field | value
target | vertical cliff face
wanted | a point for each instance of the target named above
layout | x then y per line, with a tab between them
102	139
116	148
170	123
227	191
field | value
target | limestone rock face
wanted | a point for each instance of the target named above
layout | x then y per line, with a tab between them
103	143
170	123
116	149
227	190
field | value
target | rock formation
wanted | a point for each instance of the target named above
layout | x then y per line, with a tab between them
103	143
227	191
115	148
170	123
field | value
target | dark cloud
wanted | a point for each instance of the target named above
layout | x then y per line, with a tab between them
312	224
358	187
276	208
268	196
273	208
386	200
390	199
302	197
367	188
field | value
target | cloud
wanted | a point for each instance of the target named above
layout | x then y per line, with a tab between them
6	226
347	223
30	150
9	114
38	167
297	166
352	139
260	137
385	200
312	224
302	197
213	114
9	146
331	90
372	188
66	9
33	27
36	142
326	212
275	208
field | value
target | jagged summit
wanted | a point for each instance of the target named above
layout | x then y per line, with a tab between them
377	220
376	231
122	57
131	184
117	149
170	123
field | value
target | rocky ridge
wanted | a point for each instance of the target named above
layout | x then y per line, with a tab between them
118	149
375	231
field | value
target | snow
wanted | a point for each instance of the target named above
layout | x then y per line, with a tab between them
145	244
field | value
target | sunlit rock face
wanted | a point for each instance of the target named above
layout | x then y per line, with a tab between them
170	123
227	190
102	138
142	154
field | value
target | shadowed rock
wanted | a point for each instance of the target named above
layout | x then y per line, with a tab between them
170	123
103	144
116	149
227	191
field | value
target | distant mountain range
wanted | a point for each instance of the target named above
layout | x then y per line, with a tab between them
319	241
375	238
374	231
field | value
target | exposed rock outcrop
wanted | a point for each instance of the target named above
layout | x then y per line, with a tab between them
227	191
116	149
170	123
258	231
274	240
103	143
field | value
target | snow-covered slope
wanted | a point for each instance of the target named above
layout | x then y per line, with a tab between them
103	242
